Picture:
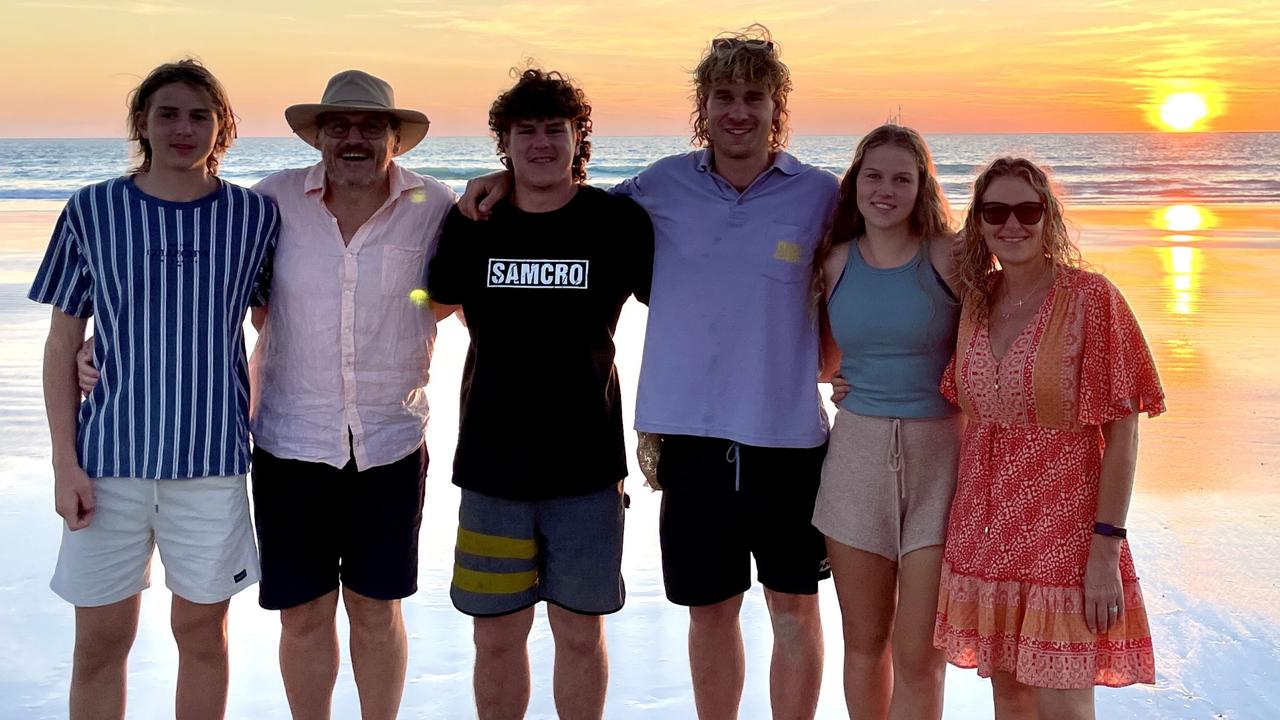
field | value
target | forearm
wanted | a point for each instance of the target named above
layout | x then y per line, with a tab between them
1119	461
61	396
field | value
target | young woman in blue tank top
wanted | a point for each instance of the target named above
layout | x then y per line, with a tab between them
891	462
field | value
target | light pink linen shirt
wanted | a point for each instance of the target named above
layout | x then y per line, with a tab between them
347	341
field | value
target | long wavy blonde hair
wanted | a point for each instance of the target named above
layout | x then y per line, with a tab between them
930	217
975	262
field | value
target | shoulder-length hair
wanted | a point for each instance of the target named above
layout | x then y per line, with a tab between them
930	217
191	72
748	56
975	262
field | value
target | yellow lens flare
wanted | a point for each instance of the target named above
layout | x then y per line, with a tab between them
1183	111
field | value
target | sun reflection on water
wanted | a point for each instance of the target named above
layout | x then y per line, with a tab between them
1182	263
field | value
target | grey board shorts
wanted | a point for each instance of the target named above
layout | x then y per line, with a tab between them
567	550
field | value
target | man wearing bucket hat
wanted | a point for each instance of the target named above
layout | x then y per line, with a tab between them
338	407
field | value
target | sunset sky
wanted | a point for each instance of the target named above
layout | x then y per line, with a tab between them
951	66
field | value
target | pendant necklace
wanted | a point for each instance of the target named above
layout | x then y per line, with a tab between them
1014	306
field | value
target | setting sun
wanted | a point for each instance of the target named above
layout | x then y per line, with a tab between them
1183	218
1183	111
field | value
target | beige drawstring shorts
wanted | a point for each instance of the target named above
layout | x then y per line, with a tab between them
887	482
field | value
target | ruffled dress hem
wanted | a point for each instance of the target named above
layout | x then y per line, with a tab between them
1038	634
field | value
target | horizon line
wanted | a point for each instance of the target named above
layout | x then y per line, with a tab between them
681	135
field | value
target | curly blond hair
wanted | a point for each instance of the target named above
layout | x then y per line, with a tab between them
747	56
975	261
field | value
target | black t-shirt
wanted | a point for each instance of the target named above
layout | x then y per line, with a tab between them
541	412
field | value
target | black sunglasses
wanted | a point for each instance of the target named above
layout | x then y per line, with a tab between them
729	43
997	213
371	129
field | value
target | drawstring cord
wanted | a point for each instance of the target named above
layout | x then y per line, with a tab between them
895	454
732	456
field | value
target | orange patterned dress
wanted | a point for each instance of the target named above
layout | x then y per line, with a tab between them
1022	519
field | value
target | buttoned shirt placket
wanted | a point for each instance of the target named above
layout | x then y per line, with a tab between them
346	329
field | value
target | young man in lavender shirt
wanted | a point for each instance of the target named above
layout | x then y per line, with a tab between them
729	378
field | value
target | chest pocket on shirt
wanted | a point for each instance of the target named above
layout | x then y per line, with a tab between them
786	257
402	270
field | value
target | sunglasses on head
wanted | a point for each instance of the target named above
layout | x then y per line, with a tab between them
997	213
729	43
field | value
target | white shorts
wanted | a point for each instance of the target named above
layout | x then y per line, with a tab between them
201	526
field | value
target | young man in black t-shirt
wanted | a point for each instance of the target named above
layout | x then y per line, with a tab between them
540	456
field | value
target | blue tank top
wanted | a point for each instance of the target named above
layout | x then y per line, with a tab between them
896	328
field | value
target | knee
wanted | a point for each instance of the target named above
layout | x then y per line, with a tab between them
794	616
1012	698
103	647
718	616
864	639
370	617
203	635
503	635
581	635
308	619
919	667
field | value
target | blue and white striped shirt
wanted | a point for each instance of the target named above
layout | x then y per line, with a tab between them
168	284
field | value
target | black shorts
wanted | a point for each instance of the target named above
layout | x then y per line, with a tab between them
319	527
723	503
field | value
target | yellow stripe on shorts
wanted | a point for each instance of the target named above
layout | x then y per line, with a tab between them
492	583
496	546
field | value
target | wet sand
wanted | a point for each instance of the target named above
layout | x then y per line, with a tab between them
1203	518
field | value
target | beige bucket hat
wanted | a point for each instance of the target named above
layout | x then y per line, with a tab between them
356	91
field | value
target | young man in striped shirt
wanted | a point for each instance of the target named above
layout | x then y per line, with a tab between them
166	260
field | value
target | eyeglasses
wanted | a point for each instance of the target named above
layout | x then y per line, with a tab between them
339	128
997	213
729	43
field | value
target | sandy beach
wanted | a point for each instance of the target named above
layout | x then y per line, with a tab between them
1203	521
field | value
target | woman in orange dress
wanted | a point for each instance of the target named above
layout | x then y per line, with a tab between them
1038	588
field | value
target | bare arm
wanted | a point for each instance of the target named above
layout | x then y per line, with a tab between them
443	311
942	253
483	193
258	316
829	370
1103	588
72	491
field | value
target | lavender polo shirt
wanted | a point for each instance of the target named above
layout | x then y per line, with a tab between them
731	349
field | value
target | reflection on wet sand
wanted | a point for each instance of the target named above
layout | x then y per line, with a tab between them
1203	518
1204	291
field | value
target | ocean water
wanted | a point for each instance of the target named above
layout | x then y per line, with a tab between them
1094	169
1202	522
